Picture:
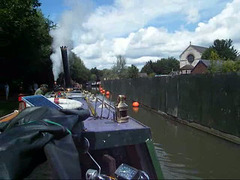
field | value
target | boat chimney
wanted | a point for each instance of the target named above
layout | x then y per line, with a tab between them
66	67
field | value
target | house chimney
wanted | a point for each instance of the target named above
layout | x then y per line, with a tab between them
66	67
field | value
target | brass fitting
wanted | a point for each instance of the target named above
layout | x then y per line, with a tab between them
121	108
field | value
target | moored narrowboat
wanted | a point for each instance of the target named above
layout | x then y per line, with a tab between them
94	140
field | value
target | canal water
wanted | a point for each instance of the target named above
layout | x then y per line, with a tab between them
187	153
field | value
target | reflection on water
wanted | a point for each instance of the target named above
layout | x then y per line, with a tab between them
187	153
135	109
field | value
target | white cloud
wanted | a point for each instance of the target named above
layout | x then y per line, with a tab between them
223	26
122	28
140	62
127	16
193	15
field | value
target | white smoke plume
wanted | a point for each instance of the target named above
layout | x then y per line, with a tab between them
67	31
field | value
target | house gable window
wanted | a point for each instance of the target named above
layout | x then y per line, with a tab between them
190	58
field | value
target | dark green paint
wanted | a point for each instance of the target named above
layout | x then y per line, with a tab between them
155	161
108	139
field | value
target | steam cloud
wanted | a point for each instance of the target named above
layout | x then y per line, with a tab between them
67	32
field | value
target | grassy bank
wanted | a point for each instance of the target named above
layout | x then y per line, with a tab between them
7	107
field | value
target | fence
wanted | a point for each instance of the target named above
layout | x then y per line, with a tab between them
209	100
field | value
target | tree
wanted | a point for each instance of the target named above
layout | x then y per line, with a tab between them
148	68
120	67
132	72
214	55
78	71
230	66
93	77
237	65
210	54
26	44
163	66
97	73
214	67
223	50
109	74
151	75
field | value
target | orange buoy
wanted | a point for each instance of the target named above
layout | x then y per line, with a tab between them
103	91
135	104
107	93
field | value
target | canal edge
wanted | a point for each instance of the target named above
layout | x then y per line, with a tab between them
217	133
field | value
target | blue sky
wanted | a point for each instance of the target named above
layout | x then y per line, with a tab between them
139	30
54	8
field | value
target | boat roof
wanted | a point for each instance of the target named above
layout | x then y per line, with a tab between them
101	130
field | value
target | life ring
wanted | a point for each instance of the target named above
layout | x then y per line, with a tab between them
66	103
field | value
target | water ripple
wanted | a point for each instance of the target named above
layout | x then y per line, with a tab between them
173	170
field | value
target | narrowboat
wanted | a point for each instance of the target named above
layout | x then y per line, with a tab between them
90	138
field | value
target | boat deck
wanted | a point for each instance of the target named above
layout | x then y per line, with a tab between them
105	132
100	128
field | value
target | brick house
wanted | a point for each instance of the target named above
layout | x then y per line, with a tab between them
201	67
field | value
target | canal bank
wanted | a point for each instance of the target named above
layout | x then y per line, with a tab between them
207	102
225	136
